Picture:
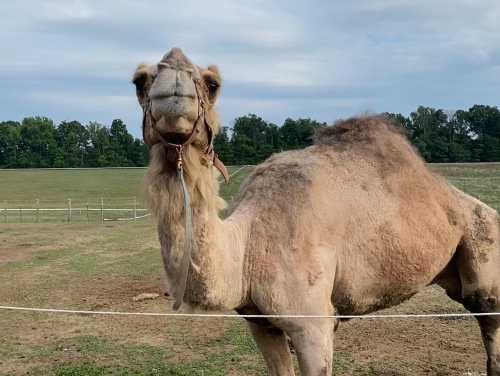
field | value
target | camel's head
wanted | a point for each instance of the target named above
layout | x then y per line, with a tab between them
175	94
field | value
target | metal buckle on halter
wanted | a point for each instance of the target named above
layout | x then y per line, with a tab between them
179	149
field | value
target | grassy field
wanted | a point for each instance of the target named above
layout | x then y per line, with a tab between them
482	180
102	267
117	188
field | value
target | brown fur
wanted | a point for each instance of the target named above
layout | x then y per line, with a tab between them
351	224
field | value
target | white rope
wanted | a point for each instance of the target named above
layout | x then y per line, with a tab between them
128	219
238	170
237	316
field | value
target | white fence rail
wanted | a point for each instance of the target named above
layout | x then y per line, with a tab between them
36	211
96	210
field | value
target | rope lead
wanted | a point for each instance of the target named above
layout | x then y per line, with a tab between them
188	237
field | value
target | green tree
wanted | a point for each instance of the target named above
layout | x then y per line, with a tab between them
139	154
222	146
9	140
122	144
400	120
484	123
73	141
249	140
459	137
99	148
37	145
428	133
297	134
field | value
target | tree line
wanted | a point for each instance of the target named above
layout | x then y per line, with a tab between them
471	135
36	142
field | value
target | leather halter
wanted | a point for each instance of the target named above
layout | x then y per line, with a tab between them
209	153
210	157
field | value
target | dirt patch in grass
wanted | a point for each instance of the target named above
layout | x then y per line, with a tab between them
20	242
414	346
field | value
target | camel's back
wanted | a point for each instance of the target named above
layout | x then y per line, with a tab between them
364	193
357	164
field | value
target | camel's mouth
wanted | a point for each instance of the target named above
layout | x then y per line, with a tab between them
173	96
175	138
175	125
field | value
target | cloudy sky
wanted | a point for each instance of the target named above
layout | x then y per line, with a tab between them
73	59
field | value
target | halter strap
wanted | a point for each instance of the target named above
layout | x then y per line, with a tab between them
209	152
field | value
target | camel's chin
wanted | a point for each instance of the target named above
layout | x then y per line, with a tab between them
175	130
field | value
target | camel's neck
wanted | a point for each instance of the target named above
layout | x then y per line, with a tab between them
216	276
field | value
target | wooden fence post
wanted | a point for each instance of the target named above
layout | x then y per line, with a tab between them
69	210
102	210
135	208
37	210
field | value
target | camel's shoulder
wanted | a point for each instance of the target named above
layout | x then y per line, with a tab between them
286	169
284	177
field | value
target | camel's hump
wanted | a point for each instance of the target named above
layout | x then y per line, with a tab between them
357	129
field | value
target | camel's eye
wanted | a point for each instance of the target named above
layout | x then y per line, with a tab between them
212	80
213	87
212	84
140	81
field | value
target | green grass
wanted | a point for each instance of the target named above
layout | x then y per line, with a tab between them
103	266
119	188
81	186
116	185
481	180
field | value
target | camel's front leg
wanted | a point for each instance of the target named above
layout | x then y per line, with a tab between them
273	344
490	329
313	342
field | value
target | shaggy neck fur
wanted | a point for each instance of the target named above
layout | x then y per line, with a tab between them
215	277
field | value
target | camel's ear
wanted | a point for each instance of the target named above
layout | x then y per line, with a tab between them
142	80
213	80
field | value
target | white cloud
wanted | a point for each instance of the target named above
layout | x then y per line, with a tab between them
66	10
334	56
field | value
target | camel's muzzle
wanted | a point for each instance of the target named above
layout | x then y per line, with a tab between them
176	108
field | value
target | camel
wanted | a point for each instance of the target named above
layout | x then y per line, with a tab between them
350	225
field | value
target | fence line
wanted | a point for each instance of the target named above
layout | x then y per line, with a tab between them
72	209
33	211
243	316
